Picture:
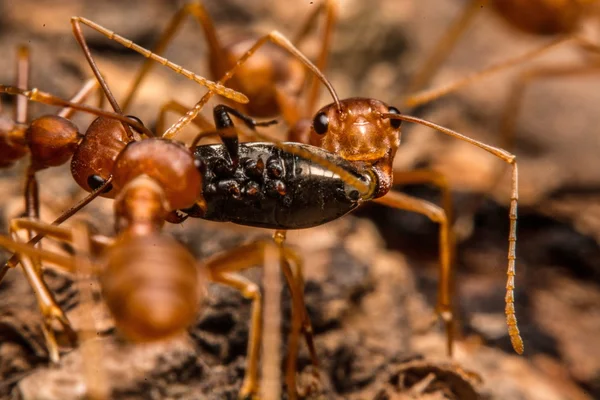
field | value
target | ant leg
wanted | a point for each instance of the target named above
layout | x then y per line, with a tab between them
52	314
270	381
279	40
431	177
436	214
14	260
238	259
23	67
511	319
32	198
196	10
445	45
300	318
212	86
178	108
82	94
94	375
47	98
429	95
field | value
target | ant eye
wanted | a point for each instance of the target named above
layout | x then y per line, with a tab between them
321	123
395	123
96	181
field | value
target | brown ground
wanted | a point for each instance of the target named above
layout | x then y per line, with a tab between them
369	291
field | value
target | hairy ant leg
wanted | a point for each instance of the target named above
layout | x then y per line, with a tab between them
436	214
52	315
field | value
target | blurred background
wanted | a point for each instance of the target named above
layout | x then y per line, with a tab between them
377	48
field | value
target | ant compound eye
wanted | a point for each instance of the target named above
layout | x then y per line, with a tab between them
96	181
321	123
395	123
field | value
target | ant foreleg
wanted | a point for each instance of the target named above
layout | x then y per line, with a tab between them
52	314
22	82
276	38
176	107
300	318
436	214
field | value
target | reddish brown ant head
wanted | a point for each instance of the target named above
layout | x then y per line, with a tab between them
169	163
52	141
94	159
151	285
357	131
544	17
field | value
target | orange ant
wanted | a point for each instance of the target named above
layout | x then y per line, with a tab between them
366	134
151	283
94	161
273	38
272	80
52	140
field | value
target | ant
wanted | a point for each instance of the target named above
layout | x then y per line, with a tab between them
50	140
229	159
272	80
360	136
543	18
151	283
94	161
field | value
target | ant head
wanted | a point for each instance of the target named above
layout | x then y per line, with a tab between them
356	130
52	141
94	159
170	164
151	286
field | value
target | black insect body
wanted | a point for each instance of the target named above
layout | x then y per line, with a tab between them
270	187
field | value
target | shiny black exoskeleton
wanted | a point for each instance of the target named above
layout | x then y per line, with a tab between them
272	188
260	184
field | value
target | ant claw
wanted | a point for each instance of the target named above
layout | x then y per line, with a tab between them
53	316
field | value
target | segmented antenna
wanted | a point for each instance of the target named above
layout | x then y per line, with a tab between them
212	86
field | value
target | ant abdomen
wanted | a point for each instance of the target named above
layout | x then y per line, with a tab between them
544	17
52	140
151	286
168	163
94	159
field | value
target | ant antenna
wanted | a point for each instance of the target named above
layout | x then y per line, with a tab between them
511	319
